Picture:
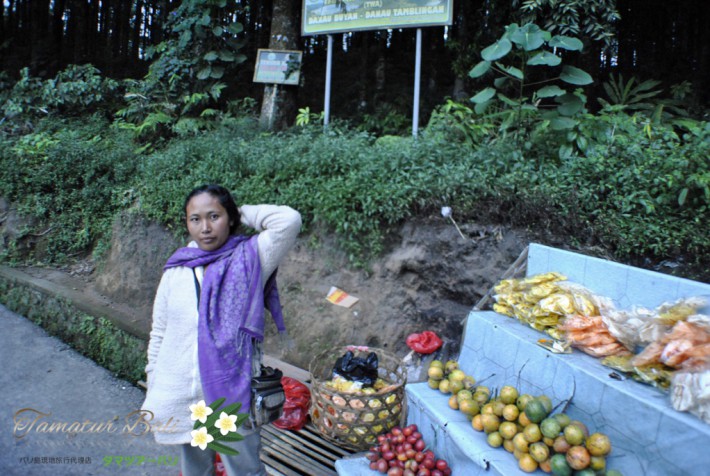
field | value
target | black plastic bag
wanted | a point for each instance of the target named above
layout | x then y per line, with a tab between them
357	369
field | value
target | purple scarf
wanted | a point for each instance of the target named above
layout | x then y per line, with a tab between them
231	314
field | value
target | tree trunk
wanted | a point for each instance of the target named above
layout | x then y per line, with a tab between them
136	32
2	22
278	108
57	34
39	35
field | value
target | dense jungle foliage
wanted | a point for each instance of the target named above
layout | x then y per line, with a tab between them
541	141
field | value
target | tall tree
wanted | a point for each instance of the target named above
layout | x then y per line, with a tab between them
279	104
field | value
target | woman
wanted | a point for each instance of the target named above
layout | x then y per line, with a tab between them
208	320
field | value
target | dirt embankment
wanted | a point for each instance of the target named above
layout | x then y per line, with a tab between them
428	279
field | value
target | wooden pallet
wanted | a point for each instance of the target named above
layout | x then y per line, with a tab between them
296	453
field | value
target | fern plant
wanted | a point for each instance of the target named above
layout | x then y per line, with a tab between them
630	95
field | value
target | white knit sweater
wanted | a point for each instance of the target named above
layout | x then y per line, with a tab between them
173	371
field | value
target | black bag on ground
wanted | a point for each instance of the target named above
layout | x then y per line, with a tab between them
357	369
267	396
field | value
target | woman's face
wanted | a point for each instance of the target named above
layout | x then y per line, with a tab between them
207	221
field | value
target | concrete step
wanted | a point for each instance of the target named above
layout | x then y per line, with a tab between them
648	436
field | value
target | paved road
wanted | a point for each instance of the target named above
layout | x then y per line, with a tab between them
44	383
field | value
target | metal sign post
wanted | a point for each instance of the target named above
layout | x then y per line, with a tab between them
417	81
336	16
328	77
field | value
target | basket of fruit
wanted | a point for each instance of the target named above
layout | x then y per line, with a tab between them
357	393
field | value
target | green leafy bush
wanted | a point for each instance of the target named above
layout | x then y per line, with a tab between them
348	182
184	84
71	176
639	190
77	90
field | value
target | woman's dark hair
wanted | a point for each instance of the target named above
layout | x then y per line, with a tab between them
225	199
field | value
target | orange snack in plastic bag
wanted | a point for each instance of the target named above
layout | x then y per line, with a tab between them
590	335
683	342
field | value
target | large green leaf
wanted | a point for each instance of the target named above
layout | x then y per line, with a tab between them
483	95
510	30
529	37
235	28
566	43
501	82
480	69
205	20
217	31
508	101
566	151
217	72
511	70
481	107
240	58
205	72
561	123
545	58
550	91
185	38
497	50
569	104
226	55
573	75
210	56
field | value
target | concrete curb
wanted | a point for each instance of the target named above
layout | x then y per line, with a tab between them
96	329
93	306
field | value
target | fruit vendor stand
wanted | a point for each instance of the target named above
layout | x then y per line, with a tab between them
647	434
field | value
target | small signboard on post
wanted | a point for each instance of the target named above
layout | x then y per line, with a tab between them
278	66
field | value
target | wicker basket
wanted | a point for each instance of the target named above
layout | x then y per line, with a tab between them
353	420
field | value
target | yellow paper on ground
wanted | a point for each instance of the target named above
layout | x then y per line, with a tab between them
341	298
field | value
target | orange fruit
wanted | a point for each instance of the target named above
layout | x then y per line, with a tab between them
490	422
598	444
527	464
508	394
539	451
573	434
511	412
535	410
476	423
578	457
495	439
508	430
532	433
